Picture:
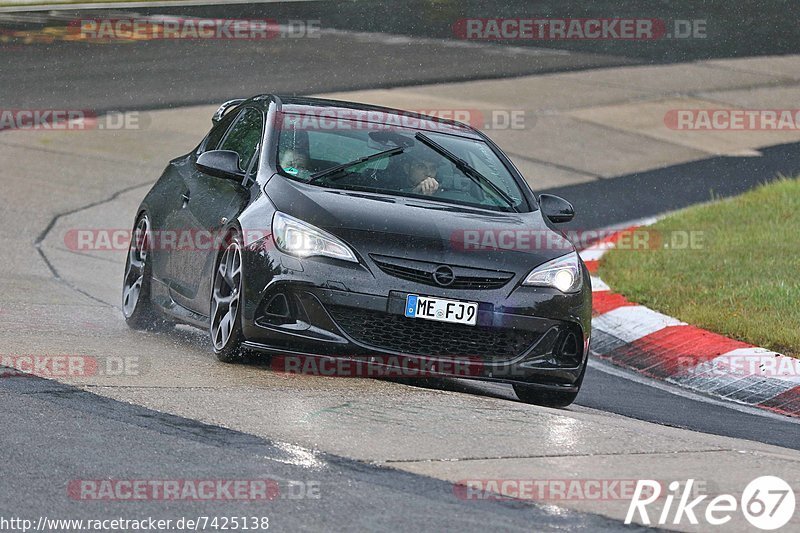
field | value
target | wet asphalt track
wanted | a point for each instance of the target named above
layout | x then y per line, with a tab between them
158	74
53	428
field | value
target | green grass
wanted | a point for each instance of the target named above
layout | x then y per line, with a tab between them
743	281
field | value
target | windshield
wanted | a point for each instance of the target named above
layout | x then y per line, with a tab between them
396	162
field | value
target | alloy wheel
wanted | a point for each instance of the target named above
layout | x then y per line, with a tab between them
135	267
226	296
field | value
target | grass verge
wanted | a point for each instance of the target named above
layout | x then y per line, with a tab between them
741	276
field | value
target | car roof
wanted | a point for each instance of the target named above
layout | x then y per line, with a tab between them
323	107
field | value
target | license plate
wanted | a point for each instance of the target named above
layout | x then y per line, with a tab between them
441	310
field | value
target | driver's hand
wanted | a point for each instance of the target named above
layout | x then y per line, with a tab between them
427	186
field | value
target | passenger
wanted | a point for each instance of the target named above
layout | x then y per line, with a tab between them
296	163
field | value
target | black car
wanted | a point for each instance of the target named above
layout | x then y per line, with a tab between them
329	230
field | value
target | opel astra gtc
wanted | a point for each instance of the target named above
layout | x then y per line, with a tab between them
337	230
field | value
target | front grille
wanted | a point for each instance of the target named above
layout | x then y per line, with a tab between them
396	333
422	272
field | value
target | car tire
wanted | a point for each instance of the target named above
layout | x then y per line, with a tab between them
137	307
547	398
225	316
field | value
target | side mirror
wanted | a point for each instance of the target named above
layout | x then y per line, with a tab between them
556	209
220	164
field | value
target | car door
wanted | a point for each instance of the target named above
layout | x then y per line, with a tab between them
208	204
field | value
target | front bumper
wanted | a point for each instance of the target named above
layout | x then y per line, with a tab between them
523	334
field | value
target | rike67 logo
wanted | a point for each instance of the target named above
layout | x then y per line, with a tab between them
767	502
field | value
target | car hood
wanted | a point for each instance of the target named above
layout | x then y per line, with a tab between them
420	229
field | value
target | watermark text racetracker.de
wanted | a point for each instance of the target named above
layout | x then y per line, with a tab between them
70	120
556	29
422	118
545	489
743	362
188	239
733	119
378	366
55	366
178	28
185	489
638	239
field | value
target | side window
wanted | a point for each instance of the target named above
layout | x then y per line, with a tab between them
218	132
244	136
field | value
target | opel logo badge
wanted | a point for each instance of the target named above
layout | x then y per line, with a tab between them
444	276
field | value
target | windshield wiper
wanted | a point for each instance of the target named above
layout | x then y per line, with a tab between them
466	168
344	166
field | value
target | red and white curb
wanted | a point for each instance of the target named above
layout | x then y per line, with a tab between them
665	348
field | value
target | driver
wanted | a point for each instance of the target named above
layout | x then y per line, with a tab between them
420	172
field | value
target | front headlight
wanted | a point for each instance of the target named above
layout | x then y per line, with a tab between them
299	238
563	273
